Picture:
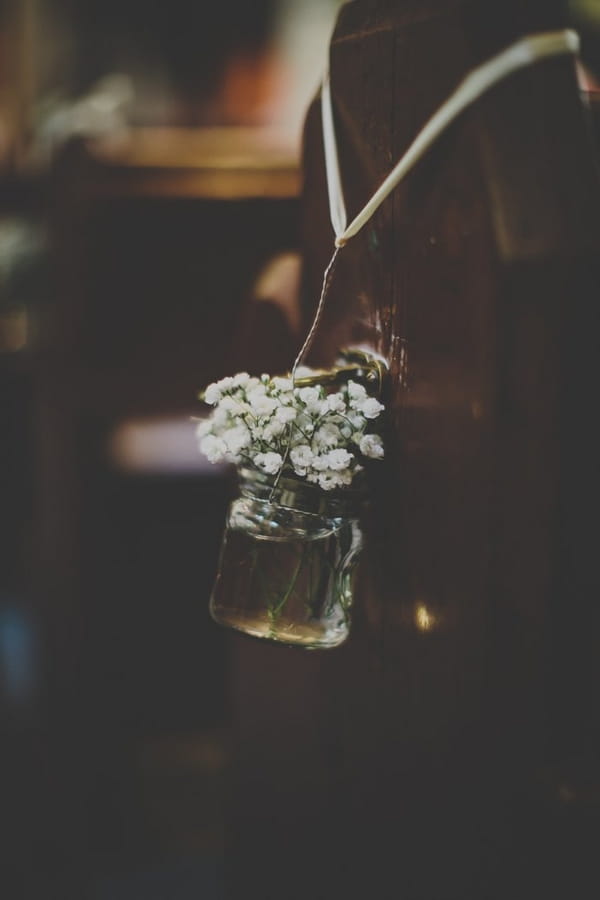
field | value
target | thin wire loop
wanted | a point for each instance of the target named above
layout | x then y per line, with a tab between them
327	276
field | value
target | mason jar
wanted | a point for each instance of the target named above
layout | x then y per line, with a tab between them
288	560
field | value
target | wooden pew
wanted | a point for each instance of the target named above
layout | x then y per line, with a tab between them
450	748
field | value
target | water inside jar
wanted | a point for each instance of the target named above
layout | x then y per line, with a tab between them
295	588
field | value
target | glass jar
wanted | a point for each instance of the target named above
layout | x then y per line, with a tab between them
288	559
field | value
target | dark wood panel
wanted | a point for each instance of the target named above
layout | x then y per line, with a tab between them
452	744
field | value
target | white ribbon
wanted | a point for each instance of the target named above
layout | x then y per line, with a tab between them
524	52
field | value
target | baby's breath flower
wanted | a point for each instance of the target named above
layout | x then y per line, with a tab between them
311	397
257	390
336	403
212	394
330	479
269	462
356	392
304	423
220	418
225	384
370	408
258	438
357	420
338	459
319	463
203	428
301	457
234	407
285	414
236	439
214	448
282	384
273	429
270	424
371	445
328	435
261	404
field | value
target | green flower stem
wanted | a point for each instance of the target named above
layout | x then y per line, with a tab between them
275	611
306	437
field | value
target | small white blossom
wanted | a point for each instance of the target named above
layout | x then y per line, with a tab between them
257	432
203	428
285	414
272	425
273	429
327	435
336	403
269	462
284	385
261	404
338	459
330	479
220	418
357	420
214	448
319	463
234	407
225	384
370	408
371	445
356	393
236	439
212	394
301	457
304	423
311	397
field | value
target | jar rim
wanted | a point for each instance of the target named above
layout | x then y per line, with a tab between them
296	493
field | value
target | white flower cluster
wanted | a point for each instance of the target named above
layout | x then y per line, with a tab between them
268	423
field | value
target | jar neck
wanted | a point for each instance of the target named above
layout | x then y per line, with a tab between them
295	493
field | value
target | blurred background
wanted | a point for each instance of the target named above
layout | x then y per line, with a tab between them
149	182
149	210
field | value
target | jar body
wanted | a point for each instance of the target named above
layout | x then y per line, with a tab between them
287	565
